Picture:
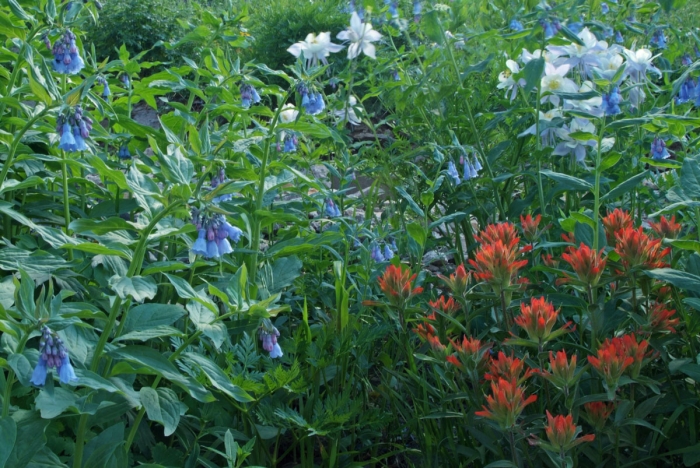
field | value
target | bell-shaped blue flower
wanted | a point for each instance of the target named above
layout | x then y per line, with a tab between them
200	245
79	140
658	150
67	142
224	246
212	249
376	253
39	374
452	173
106	92
276	351
687	92
658	39
233	232
66	373
618	37
388	254
611	102
516	25
604	8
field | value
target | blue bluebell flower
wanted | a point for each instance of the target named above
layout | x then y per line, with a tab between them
393	8
611	102
332	210
53	354
67	60
477	164
290	143
249	95
67	142
106	92
658	150
124	152
687	92
376	253
224	246
658	39
604	8
452	173
234	233
618	37
516	25
549	31
392	242
269	336
417	10
686	60
467	169
388	253
125	79
200	245
575	26
395	75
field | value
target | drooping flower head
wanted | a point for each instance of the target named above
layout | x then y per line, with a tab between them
213	234
505	404
218	180
268	335
452	173
658	150
376	253
124	152
67	59
249	95
688	91
361	36
73	127
658	39
53	354
331	209
515	25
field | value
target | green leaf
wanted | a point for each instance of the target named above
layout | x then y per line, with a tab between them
284	271
533	73
23	369
218	378
18	11
138	287
176	168
30	431
570	182
451	218
679	279
15	185
690	178
150	333
46	459
431	26
411	203
147	316
8	436
100	226
103	451
205	321
53	404
185	291
162	406
417	233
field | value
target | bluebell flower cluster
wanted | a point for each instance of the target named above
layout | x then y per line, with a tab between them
689	91
269	336
611	102
290	144
658	39
249	95
53	355
417	10
686	60
471	168
618	37
604	8
218	179
380	254
452	173
65	53
73	128
312	101
124	152
213	233
658	150
516	25
331	209
575	26
551	28
106	92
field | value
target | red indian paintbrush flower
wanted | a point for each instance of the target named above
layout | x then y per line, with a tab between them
635	350
538	319
469	355
508	368
561	432
598	413
428	333
562	371
659	319
611	362
550	261
637	249
457	282
497	264
506	403
504	232
615	221
586	262
396	285
448	307
530	227
665	228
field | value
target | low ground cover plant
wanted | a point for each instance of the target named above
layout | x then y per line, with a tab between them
440	234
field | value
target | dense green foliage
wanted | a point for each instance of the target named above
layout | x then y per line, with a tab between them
235	287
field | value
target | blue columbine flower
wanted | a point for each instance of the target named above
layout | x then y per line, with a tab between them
516	25
687	92
53	355
611	102
618	37
658	39
658	150
604	8
452	173
376	253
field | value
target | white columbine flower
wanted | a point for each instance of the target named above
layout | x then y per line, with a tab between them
571	145
349	113
554	81
315	48
506	79
591	106
547	132
608	65
361	35
639	63
583	56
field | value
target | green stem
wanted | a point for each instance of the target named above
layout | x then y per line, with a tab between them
596	189
139	416
7	395
66	199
